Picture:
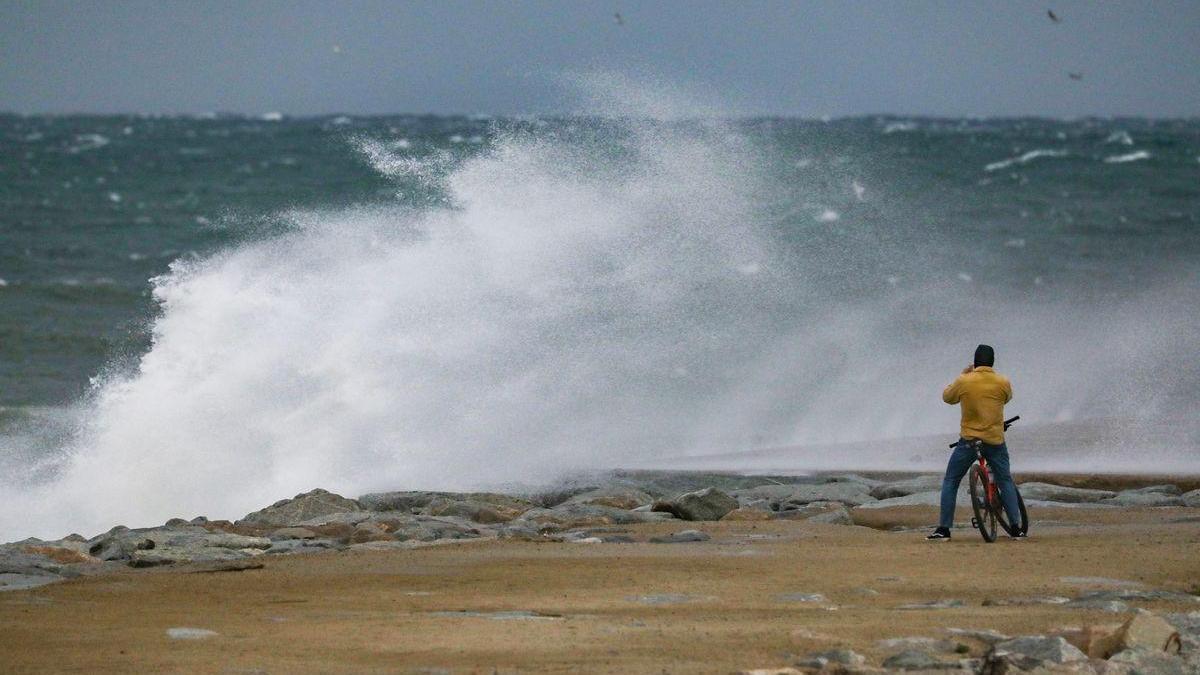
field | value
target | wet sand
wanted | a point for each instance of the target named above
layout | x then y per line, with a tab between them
714	606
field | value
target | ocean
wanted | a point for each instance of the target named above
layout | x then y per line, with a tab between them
205	314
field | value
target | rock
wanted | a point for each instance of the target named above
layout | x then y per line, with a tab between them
567	515
1029	653
1137	498
1027	600
914	659
850	494
62	555
301	508
1057	493
1143	630
987	636
963	500
293	533
472	510
366	532
682	537
747	513
1150	662
843	658
164	546
617	497
1172	490
934	604
927	644
838	515
288	546
903	488
854	478
190	633
1191	499
707	504
419	501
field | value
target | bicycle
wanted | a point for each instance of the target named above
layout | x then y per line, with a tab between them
985	495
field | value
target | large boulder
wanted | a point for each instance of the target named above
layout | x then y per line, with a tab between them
707	504
617	497
1147	662
300	508
1029	653
1058	493
567	515
850	493
1165	489
421	501
1191	499
962	499
1142	498
903	488
1143	630
168	545
472	510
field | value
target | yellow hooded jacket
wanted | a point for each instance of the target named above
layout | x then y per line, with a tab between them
982	393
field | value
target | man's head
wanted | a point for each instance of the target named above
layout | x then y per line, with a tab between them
985	356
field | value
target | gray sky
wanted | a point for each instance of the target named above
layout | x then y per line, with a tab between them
801	58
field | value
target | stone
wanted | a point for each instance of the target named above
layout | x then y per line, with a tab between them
914	659
843	658
1031	652
681	537
62	555
962	500
228	566
1156	489
838	515
1025	601
366	532
418	501
293	533
288	546
707	504
933	604
987	636
472	510
300	508
617	497
927	644
1057	493
190	633
746	513
1150	662
1143	630
1137	498
903	488
1191	499
568	515
850	494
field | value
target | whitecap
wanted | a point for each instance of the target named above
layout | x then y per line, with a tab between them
963	276
1015	243
859	190
1121	137
828	216
1131	157
804	162
402	144
340	121
272	117
895	127
3	283
1024	159
114	197
456	138
85	142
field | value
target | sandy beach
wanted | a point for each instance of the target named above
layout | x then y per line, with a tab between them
756	595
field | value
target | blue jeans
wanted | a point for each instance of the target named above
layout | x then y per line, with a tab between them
960	462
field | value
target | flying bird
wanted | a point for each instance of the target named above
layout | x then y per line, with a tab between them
620	21
1053	17
1075	76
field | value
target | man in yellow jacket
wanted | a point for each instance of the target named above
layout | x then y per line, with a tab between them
982	393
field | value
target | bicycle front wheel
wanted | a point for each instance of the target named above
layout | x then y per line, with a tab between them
985	516
1021	527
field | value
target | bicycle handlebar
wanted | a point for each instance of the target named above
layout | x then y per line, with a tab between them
1007	423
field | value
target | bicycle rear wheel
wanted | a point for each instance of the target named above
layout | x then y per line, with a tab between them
1023	526
985	515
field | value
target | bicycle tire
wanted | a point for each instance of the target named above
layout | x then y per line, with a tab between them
985	514
1024	529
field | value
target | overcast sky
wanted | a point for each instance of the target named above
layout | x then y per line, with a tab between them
784	57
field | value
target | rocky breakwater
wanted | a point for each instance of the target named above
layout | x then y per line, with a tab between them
595	510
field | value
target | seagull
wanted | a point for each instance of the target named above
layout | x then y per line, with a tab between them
1053	17
620	21
1075	76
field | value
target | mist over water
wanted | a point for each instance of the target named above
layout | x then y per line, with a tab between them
604	291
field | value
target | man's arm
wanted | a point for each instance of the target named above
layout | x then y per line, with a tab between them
953	392
1007	391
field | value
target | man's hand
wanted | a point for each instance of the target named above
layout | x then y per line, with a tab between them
968	369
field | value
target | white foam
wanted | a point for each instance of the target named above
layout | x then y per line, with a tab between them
897	127
1130	157
1120	137
271	117
828	216
1024	159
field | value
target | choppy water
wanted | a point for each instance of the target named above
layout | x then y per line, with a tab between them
204	315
